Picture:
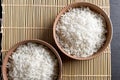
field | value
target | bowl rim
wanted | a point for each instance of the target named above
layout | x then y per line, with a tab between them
86	4
41	42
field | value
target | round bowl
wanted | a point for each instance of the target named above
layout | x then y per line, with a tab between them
95	9
5	61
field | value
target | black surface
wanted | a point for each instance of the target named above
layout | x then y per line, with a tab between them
0	9
0	57
0	40
115	17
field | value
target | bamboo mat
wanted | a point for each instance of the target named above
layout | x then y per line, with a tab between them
33	19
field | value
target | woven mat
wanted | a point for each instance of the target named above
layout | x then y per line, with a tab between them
33	19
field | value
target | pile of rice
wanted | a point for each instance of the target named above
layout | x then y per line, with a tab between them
32	62
81	32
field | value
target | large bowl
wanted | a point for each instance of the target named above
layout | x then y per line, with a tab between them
96	9
5	61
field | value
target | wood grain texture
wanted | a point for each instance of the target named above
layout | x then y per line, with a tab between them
33	19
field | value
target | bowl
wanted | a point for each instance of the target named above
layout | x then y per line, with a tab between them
5	61
95	9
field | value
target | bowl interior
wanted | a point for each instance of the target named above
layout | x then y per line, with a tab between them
5	61
95	9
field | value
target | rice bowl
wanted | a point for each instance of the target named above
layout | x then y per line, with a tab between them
32	59
61	36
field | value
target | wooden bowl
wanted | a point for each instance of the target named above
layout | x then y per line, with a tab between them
5	61
95	9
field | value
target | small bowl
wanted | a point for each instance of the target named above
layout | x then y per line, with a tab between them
95	9
5	61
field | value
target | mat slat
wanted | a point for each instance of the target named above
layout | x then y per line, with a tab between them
33	19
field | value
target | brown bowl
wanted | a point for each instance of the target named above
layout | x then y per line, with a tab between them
96	9
5	61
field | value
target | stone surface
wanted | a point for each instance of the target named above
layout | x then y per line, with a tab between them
115	46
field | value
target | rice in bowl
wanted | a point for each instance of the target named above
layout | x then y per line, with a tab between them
81	32
32	61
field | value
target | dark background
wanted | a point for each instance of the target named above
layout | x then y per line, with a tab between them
0	40
115	46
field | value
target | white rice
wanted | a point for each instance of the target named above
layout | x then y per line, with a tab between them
81	32
33	62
